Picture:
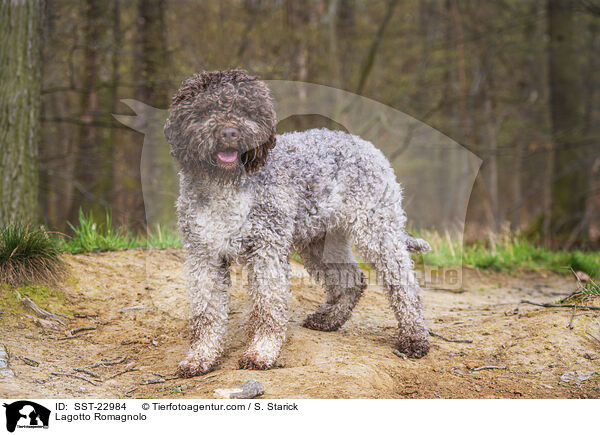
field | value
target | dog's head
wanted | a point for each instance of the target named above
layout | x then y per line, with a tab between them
222	124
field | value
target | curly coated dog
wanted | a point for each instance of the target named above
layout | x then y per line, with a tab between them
250	196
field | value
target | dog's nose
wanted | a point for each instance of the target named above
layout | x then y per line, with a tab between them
230	134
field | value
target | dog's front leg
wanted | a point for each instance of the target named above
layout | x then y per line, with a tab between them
269	291
208	282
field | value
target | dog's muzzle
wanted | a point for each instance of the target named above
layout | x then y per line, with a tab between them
229	152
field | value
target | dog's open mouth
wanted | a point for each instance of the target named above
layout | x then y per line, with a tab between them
227	157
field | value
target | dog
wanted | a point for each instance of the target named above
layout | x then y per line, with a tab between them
250	196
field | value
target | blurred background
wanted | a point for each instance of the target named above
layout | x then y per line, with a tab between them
515	82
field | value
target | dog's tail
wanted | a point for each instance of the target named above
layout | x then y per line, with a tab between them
417	246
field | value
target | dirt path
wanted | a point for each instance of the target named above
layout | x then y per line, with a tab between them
136	300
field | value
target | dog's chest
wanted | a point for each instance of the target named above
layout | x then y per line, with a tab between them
222	222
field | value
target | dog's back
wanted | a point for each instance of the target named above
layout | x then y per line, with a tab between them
332	177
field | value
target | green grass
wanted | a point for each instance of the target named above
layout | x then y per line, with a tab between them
507	253
583	293
29	254
503	253
90	235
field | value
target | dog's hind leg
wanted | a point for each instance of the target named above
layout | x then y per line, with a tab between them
330	261
386	247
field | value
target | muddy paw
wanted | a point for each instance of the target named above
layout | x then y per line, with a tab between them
252	361
413	347
191	367
321	322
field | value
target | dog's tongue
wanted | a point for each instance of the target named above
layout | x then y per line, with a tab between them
227	156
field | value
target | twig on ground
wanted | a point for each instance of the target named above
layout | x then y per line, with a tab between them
447	289
87	372
476	369
160	380
576	292
572	317
122	310
154	381
451	340
30	362
68	337
589	307
128	368
597	339
84	328
74	376
206	377
40	311
108	363
128	392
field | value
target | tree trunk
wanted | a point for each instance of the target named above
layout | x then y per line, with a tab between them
157	171
21	24
517	190
90	180
569	175
492	163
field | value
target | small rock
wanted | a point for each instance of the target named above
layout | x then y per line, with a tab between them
247	390
576	377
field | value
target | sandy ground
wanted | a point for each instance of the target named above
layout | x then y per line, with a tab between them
136	300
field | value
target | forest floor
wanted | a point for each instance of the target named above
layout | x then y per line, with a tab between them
137	303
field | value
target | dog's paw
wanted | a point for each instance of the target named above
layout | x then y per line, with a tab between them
413	347
321	322
190	367
252	361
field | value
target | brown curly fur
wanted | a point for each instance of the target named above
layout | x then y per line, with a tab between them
193	116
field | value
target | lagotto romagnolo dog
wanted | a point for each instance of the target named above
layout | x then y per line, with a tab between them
250	196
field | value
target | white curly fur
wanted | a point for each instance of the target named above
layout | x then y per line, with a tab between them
318	192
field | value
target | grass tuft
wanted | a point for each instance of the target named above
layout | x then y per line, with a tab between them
29	255
92	236
506	253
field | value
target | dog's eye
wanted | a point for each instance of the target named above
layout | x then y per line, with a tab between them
204	113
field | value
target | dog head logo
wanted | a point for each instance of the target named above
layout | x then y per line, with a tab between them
26	414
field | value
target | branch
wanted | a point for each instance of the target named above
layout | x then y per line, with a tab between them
85	123
368	65
589	307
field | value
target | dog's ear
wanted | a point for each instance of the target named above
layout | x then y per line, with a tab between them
256	157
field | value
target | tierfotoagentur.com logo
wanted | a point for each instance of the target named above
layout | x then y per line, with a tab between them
25	414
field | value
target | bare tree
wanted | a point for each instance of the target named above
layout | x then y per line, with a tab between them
566	162
157	174
92	183
21	24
